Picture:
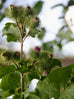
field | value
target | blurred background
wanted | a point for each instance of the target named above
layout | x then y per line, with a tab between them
58	19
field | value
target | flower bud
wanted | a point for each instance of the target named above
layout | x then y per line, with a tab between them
37	49
11	6
34	22
13	11
18	53
50	55
3	54
7	55
28	11
28	8
45	73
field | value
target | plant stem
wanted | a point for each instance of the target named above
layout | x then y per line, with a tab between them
26	36
15	64
22	85
21	31
21	51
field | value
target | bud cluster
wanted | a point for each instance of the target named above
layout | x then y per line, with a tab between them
9	55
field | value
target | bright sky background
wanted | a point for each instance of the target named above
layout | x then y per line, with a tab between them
49	19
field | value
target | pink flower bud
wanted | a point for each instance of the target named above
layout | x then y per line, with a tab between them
37	49
45	73
51	55
18	53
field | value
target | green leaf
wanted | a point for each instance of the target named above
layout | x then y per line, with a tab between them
44	59
47	46
63	27
61	17
70	3
47	63
33	32
33	54
65	34
16	97
8	93
3	1
53	63
42	33
32	97
1	93
6	70
37	8
56	84
1	16
28	77
11	81
68	93
11	31
27	81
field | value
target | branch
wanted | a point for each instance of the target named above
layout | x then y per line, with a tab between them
26	73
26	36
23	28
15	64
18	27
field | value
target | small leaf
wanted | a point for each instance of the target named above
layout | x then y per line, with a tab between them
57	5
42	33
11	31
47	46
37	8
63	27
34	32
65	34
62	17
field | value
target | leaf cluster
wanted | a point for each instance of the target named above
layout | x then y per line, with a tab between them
58	84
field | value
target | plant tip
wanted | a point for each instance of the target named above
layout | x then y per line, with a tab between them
37	49
45	73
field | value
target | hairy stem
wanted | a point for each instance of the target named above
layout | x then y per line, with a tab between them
22	85
21	51
21	31
15	64
26	36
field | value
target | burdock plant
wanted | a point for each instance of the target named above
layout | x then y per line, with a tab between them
17	71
